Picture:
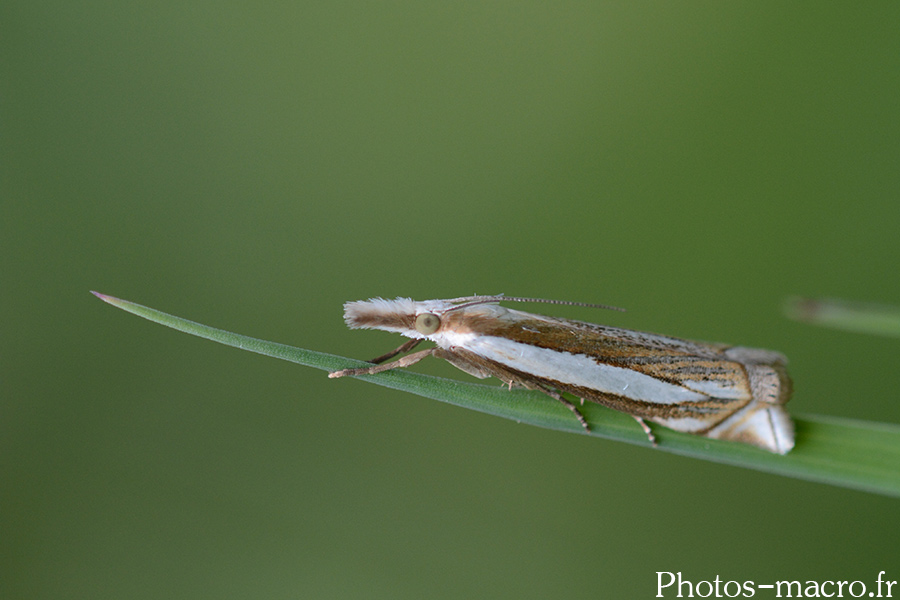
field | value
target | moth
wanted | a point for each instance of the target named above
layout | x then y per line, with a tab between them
713	390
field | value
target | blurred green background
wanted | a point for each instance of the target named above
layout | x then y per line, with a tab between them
254	165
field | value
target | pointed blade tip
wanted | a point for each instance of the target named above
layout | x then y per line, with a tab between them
105	298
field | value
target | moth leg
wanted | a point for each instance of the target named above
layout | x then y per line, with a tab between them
409	359
557	396
409	345
647	430
481	368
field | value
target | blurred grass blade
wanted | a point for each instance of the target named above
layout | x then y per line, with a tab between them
861	317
842	452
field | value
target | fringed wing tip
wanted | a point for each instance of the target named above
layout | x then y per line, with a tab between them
769	428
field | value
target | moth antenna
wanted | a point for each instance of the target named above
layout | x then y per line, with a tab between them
474	300
567	303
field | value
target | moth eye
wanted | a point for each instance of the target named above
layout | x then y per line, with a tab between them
427	323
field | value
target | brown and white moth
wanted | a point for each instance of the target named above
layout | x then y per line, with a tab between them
713	390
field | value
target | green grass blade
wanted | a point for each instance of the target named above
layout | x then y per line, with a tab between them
842	452
861	317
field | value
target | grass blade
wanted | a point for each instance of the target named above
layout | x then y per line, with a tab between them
841	452
860	317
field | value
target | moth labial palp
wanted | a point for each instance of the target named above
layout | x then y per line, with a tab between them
713	390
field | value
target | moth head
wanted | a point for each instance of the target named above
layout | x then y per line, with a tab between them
422	319
401	315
